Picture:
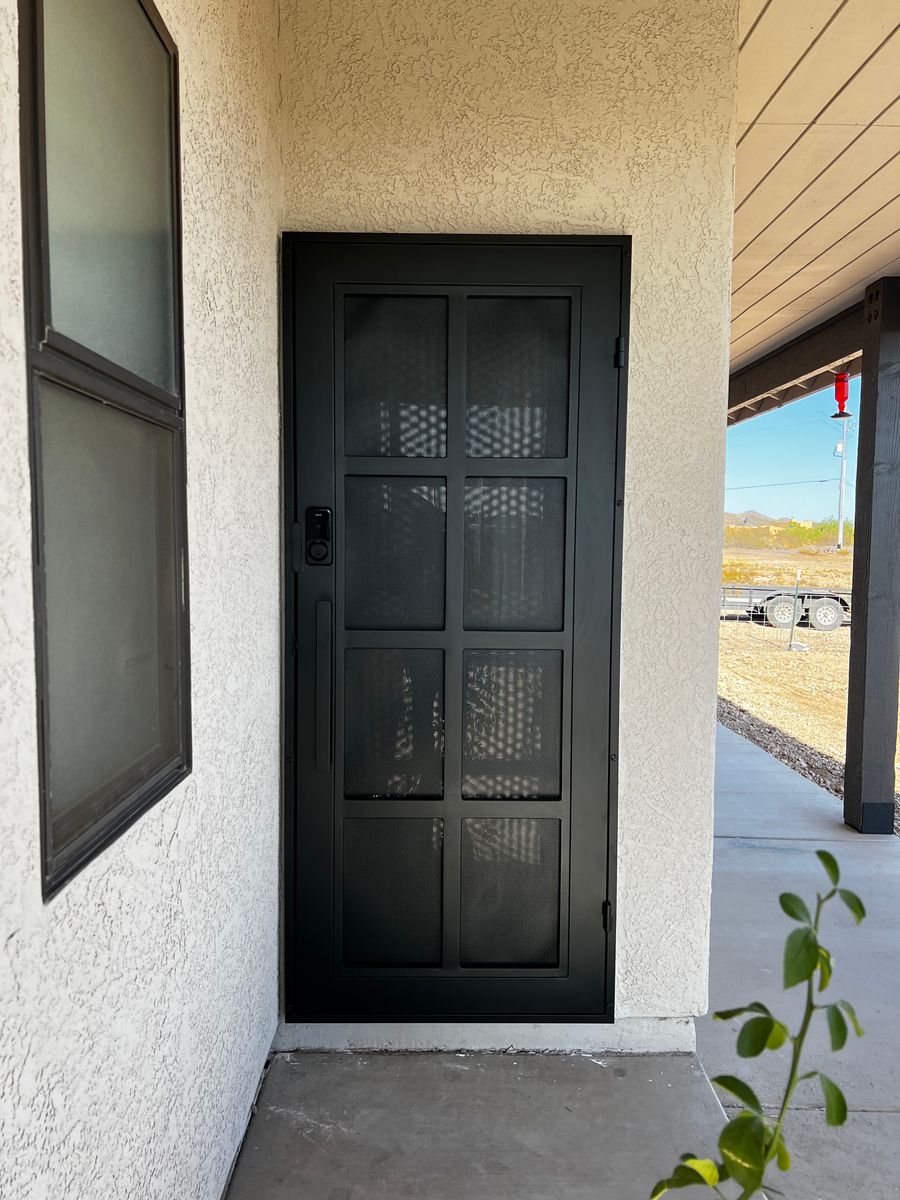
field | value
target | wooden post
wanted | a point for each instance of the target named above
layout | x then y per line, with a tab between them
875	629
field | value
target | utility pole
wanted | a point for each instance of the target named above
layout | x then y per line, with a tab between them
842	447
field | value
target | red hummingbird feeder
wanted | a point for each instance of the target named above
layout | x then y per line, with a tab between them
841	395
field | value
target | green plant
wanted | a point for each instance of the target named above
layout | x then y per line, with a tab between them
753	1140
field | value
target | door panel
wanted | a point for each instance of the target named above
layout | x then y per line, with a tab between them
453	419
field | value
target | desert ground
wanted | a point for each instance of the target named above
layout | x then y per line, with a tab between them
803	693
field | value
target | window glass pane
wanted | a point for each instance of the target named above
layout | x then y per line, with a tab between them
109	183
108	555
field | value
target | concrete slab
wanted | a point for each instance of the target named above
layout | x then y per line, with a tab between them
748	932
472	1126
758	796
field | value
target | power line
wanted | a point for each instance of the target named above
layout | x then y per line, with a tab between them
747	487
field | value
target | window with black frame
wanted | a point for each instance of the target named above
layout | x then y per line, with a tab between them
101	189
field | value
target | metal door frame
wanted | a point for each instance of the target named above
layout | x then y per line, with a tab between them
290	982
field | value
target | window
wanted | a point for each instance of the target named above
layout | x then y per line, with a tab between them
100	182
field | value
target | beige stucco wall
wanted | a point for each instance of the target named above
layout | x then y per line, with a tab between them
138	1006
568	117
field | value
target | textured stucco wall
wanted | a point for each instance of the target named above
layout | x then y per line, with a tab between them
138	1006
520	116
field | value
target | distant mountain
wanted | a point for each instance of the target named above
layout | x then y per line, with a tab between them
752	517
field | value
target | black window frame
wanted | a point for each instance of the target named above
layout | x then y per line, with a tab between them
53	357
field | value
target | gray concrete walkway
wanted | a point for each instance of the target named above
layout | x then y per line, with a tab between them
593	1127
769	822
345	1126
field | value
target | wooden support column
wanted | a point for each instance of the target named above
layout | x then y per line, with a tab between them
875	628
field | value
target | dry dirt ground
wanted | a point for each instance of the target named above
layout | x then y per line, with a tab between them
792	703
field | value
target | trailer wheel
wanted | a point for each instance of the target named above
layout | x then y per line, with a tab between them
826	614
781	611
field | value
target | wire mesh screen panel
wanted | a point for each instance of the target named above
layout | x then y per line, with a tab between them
395	533
395	376
515	540
517	376
394	723
510	892
512	718
392	891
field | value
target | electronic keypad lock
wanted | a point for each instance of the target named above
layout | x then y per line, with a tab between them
318	537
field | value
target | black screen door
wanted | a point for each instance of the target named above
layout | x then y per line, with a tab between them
453	435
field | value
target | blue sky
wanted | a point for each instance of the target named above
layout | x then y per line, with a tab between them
768	455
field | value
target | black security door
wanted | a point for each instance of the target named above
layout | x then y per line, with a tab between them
453	433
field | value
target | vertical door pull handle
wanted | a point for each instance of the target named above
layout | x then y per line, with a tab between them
323	686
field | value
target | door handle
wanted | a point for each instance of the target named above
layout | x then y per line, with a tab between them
323	686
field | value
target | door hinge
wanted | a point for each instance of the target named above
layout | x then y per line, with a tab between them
619	360
607	913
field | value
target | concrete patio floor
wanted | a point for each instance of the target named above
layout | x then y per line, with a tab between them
769	823
474	1126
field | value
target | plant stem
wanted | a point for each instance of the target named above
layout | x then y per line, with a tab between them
798	1041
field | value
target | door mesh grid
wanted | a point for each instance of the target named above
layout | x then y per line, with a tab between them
517	395
392	891
511	724
395	376
515	553
393	723
395	529
510	892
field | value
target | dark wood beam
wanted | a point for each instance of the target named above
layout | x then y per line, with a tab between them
804	365
875	630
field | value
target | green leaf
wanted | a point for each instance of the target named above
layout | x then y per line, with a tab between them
851	1013
728	1014
835	1104
795	907
826	966
754	1035
705	1168
854	903
683	1176
742	1143
801	956
778	1036
782	1157
837	1027
829	862
743	1091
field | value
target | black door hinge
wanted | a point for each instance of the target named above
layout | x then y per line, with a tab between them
607	912
619	360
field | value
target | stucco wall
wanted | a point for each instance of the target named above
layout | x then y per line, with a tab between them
138	1005
566	117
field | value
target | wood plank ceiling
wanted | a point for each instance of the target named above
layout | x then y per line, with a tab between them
817	203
